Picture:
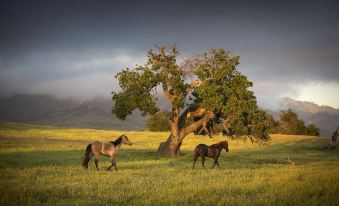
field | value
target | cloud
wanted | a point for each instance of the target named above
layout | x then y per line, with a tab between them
283	46
322	93
66	74
90	73
79	87
123	60
269	92
291	64
11	82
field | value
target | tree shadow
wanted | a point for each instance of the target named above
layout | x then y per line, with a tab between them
300	151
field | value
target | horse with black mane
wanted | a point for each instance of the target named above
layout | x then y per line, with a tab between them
106	149
212	151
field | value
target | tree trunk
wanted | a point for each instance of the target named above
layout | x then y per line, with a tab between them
173	143
170	147
335	135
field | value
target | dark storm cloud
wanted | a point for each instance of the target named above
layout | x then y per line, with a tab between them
280	43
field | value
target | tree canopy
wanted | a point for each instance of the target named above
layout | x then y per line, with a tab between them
159	121
208	86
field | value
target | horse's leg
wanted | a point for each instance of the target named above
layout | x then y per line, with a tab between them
203	161
215	163
196	155
110	166
96	156
115	164
195	159
216	160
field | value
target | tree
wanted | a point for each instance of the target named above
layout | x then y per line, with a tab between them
334	137
333	142
312	130
208	86
273	125
290	124
159	122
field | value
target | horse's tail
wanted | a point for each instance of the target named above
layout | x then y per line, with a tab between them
87	156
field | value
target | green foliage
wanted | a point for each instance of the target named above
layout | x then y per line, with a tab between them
312	130
136	86
224	91
290	124
273	125
159	122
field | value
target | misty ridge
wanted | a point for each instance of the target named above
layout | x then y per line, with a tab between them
70	113
96	113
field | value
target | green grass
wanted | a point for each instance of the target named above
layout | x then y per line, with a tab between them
40	165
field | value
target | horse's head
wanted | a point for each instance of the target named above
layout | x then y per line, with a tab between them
125	140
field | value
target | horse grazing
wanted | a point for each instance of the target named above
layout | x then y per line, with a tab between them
212	151
107	149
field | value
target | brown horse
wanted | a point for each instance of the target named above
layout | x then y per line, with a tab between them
107	149
212	151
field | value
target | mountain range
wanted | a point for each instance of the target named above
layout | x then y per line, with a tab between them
96	113
326	118
48	110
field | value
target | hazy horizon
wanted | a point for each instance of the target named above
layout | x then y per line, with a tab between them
73	49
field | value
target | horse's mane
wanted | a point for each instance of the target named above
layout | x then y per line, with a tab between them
222	143
117	141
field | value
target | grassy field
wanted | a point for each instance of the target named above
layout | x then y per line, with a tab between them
41	166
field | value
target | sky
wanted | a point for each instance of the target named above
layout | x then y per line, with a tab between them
72	49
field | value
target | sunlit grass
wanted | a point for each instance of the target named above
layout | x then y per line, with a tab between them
41	165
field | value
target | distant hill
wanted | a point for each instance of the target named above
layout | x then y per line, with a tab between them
96	113
326	118
306	107
48	110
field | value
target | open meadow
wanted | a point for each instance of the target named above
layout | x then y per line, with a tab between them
41	165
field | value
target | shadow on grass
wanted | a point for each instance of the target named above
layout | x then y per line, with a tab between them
67	158
302	152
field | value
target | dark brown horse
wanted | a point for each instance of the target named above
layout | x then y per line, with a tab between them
212	151
107	149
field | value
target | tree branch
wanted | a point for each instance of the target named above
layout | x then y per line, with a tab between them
204	127
226	125
168	95
194	84
196	113
193	127
183	117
